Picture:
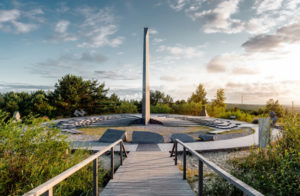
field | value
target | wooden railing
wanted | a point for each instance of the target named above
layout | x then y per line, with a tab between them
247	190
47	187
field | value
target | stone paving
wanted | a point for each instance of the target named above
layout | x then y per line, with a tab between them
176	120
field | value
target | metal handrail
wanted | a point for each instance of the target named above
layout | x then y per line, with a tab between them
47	187
247	190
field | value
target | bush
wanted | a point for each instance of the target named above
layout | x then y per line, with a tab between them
32	154
161	109
188	108
276	169
126	107
240	115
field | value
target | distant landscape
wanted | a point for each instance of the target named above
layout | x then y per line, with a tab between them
250	107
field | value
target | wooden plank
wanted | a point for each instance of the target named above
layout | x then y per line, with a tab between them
148	173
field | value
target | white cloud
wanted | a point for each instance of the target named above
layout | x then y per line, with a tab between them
100	36
260	25
117	75
181	51
158	40
218	64
232	63
22	27
9	15
221	16
178	4
262	6
170	78
75	63
153	31
62	26
10	19
219	19
98	29
289	34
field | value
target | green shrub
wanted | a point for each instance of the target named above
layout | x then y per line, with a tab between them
188	108
215	185
161	108
126	107
240	115
32	154
274	170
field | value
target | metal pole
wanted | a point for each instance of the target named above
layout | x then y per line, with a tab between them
121	154
184	163
200	178
112	162
95	177
175	152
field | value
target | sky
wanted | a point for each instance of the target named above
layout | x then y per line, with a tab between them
250	48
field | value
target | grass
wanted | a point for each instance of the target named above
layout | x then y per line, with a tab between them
241	130
164	131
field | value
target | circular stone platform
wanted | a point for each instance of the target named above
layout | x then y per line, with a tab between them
171	123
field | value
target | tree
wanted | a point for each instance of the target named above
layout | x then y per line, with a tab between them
220	99
41	105
159	97
199	96
114	97
273	105
72	92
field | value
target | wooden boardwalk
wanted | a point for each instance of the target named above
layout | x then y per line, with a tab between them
148	173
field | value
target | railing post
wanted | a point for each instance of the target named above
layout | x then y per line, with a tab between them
200	178
48	193
95	177
121	154
184	163
112	162
175	152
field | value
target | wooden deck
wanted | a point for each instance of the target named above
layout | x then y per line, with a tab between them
148	173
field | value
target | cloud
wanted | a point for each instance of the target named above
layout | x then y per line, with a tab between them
233	63
158	40
62	26
117	75
11	19
9	15
219	19
170	78
127	93
181	51
262	6
217	64
260	92
98	28
22	27
178	4
153	31
69	63
289	34
223	17
100	36
244	71
6	87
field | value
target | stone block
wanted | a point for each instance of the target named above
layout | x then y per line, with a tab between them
112	135
182	137
145	137
206	137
